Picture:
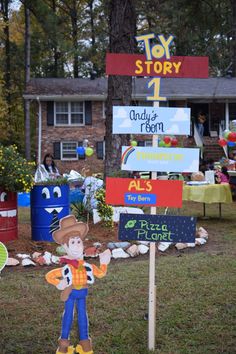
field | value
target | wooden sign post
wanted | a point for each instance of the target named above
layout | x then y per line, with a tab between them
156	63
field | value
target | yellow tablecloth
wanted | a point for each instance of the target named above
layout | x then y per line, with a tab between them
212	193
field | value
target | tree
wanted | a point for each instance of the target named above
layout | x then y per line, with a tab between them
122	30
27	78
233	5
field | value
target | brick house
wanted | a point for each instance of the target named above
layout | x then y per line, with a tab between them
72	110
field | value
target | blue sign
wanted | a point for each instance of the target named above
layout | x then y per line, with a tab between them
140	198
139	158
157	228
151	120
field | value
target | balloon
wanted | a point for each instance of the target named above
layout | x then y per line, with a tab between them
161	143
168	145
174	142
134	143
167	139
232	136
80	150
222	142
89	151
226	133
231	144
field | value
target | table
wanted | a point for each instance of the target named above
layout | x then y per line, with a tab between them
207	194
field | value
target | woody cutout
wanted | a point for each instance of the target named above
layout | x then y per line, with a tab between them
73	280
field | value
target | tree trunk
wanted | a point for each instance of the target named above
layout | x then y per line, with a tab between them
233	5
7	74
27	78
122	30
74	24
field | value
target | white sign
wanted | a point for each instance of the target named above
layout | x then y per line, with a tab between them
140	158
151	120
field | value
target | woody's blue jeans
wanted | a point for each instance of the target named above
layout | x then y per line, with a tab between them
77	297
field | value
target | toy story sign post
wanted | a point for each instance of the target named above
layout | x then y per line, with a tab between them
129	191
157	62
157	228
151	120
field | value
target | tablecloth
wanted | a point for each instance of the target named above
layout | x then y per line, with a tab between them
212	193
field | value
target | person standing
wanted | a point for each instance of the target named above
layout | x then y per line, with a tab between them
201	119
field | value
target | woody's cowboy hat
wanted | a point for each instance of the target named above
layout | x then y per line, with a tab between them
68	227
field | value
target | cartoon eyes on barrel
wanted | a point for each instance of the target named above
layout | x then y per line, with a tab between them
3	197
46	192
57	192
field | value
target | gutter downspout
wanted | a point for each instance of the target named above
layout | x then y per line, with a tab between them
39	132
226	114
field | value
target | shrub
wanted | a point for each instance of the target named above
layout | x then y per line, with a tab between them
16	173
105	211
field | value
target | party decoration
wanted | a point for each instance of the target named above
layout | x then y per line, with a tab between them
161	143
128	191
157	228
232	136
231	144
8	216
226	133
3	256
89	151
167	139
80	150
143	158
174	142
222	142
134	143
73	280
168	144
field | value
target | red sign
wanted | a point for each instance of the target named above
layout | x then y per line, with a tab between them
138	65
129	191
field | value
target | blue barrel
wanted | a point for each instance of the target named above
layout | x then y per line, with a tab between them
49	203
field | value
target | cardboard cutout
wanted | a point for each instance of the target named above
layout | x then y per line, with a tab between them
3	256
73	280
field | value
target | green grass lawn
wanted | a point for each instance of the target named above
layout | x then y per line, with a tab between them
196	300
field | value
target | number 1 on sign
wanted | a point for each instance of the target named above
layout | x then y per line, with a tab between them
156	82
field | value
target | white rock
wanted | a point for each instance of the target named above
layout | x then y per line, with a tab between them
22	255
191	244
146	243
47	257
143	249
55	259
119	253
97	244
163	246
133	251
200	241
181	246
202	233
36	255
12	262
27	262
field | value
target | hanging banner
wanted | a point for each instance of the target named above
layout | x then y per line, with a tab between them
151	120
157	228
141	158
138	65
130	191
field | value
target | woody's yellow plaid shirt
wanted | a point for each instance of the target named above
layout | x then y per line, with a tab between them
79	275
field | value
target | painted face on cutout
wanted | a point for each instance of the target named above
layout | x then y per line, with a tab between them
8	216
74	248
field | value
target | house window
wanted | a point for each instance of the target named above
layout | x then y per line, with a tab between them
68	150
69	113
